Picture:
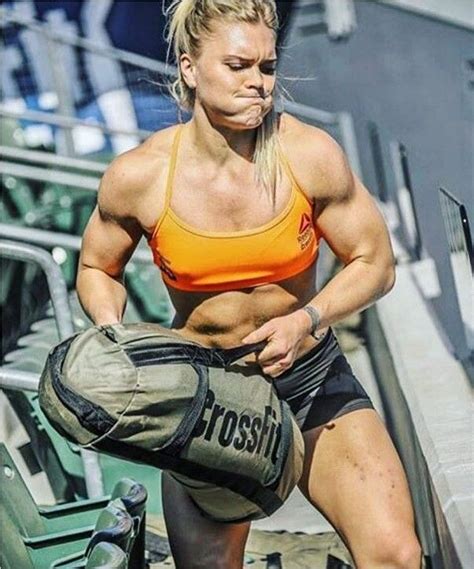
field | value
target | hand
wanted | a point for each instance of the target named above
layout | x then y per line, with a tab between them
284	335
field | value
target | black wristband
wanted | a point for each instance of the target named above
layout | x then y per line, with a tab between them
315	318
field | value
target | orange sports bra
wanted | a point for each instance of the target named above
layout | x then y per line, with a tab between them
192	259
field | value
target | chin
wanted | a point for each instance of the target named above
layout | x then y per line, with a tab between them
247	121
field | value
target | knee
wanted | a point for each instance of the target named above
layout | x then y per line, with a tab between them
394	554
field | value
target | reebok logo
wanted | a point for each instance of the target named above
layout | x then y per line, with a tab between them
304	223
305	232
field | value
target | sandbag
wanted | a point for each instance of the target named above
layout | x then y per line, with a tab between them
144	393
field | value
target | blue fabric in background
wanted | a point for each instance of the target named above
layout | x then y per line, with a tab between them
132	26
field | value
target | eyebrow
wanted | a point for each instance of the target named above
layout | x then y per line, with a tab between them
249	59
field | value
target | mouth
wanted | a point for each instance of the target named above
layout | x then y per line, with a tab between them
260	101
257	97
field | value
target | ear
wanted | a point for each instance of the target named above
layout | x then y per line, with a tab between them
188	70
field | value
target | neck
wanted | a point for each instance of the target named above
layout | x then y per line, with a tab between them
220	144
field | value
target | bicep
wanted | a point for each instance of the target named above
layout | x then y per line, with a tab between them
354	227
108	244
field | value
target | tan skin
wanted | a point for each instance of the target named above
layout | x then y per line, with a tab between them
352	472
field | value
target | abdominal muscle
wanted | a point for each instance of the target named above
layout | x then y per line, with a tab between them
223	319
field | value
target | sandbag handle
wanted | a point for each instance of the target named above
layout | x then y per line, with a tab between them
230	355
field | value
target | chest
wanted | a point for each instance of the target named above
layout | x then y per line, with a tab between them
226	203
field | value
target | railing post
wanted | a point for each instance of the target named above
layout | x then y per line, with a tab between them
349	141
62	312
65	138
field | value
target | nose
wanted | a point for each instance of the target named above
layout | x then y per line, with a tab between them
256	81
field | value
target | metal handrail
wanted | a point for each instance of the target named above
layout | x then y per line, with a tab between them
56	283
342	120
18	380
464	222
311	113
68	122
349	141
417	245
405	203
46	238
38	157
49	176
64	322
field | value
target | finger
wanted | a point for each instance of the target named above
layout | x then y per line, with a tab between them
279	364
262	333
271	353
275	369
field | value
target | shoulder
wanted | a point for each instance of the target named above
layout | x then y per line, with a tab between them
132	175
317	160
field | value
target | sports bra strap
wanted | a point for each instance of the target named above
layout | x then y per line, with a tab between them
288	169
172	166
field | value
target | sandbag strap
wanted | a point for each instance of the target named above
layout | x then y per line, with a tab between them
192	415
173	352
284	446
230	355
267	500
90	416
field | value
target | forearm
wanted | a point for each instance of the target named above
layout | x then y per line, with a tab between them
358	285
102	297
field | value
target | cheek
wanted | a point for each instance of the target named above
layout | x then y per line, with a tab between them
270	83
210	83
218	89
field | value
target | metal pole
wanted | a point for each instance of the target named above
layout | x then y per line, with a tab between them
311	113
61	85
56	284
68	122
349	141
18	380
62	312
50	176
53	239
39	157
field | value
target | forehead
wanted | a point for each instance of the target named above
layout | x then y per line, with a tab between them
251	41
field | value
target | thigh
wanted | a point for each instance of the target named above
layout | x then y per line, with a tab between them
354	477
195	541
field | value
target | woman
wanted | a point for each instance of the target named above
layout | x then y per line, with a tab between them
233	205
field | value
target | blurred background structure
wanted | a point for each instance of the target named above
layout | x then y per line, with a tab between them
83	81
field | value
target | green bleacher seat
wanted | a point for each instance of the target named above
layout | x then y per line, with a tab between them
134	497
32	520
146	288
114	525
107	556
39	552
61	536
22	198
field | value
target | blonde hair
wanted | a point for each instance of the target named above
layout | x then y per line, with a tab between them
188	21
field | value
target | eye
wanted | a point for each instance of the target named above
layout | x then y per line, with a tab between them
268	70
235	66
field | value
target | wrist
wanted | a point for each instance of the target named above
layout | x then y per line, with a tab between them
313	319
305	321
106	319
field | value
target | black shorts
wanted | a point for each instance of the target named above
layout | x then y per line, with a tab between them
320	386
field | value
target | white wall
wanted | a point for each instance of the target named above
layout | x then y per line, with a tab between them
456	11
